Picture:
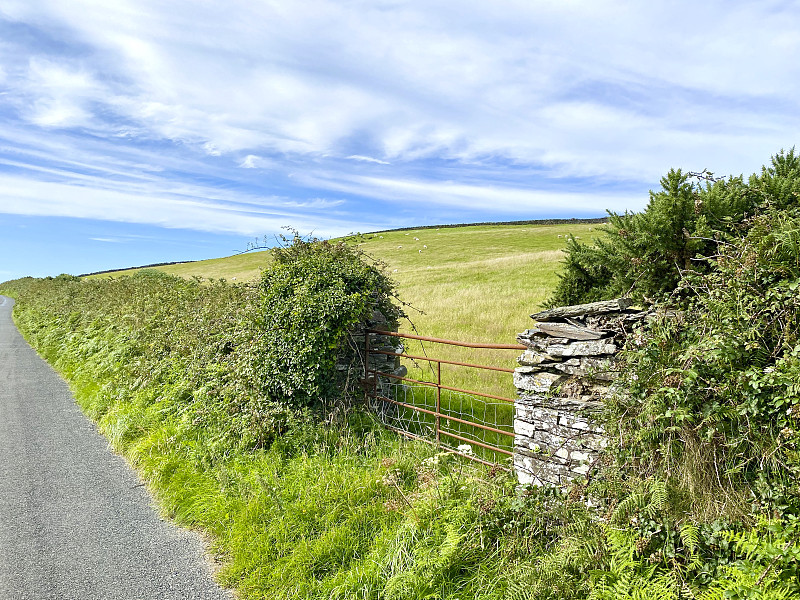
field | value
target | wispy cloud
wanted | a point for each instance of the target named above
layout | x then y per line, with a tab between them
527	81
506	200
24	196
368	159
246	116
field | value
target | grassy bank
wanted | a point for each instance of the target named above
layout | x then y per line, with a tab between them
344	510
332	506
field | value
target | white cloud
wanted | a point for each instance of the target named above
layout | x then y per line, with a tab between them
59	113
422	79
253	161
171	208
358	157
57	95
500	199
605	89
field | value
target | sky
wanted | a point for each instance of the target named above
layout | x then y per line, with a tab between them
143	131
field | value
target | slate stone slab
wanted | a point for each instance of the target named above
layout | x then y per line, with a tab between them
579	310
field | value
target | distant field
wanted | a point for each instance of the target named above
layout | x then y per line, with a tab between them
473	283
240	267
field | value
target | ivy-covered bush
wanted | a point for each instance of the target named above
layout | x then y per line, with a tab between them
311	298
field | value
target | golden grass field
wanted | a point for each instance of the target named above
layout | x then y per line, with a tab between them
472	283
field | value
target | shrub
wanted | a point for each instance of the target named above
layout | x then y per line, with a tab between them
312	297
644	254
713	398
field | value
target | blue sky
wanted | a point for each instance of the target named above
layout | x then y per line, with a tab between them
139	131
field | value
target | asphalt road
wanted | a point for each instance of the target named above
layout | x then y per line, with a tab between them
75	522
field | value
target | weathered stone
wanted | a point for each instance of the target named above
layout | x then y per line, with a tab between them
535	470
536	414
590	368
597	365
573	387
387	349
570	367
567	428
562	453
546	442
534	333
599	391
565	405
581	469
538	340
587	348
579	456
565	330
551	441
571	349
531	358
378	317
531	380
531	471
580	310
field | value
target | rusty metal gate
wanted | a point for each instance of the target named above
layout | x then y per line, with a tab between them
405	406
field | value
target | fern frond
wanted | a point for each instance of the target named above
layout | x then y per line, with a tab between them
690	536
658	494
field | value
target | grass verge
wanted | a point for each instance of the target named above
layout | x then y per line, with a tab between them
336	509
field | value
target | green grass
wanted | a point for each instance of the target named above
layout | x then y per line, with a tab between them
239	267
340	510
472	283
476	284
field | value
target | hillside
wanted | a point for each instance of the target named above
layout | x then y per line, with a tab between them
213	392
474	283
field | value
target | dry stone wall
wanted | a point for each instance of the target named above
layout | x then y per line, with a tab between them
352	360
564	374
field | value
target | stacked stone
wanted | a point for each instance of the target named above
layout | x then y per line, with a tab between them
377	362
564	374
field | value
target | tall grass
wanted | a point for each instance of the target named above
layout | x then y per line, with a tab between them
471	283
342	509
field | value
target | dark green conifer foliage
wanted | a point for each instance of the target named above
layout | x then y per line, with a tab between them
642	254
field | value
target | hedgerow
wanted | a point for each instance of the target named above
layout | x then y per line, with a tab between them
218	394
713	396
705	419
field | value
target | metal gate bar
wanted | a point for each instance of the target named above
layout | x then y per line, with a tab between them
371	377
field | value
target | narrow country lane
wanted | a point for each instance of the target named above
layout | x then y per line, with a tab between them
75	523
